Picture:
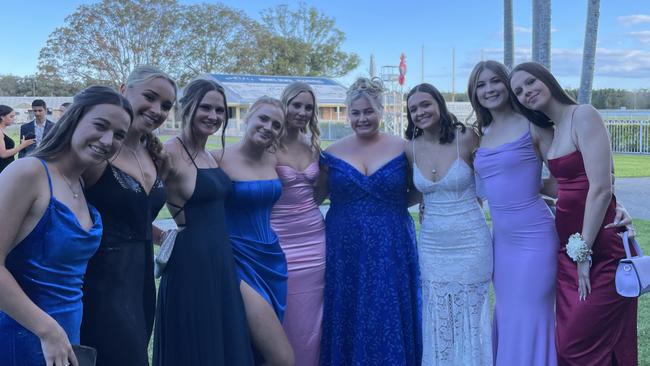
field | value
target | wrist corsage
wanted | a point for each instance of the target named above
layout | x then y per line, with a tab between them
577	249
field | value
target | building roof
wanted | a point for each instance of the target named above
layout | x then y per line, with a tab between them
245	89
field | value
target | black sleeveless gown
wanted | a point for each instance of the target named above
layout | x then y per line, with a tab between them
200	319
119	290
9	144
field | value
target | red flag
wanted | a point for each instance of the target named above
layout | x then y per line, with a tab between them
402	69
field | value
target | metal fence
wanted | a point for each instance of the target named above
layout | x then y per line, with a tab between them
629	136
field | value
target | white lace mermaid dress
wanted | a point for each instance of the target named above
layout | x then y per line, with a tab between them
455	253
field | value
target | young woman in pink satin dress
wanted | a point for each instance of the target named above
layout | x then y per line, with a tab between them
299	224
595	326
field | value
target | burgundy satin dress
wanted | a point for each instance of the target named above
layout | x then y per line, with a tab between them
602	329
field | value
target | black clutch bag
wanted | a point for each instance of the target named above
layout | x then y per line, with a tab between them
87	356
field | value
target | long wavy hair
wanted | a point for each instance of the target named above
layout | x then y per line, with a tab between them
193	94
448	122
288	94
57	141
266	100
140	75
540	72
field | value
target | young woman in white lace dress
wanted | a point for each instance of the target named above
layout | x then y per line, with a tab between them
454	247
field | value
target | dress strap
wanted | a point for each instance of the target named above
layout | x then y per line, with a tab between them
413	146
47	171
187	151
457	145
575	143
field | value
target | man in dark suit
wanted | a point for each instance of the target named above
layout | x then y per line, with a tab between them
37	128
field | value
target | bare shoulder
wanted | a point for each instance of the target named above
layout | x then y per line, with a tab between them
585	116
339	145
468	138
540	134
19	177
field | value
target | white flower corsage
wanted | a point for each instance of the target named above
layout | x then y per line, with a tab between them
577	248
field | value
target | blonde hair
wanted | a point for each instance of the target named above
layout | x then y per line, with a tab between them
266	100
140	75
288	94
371	89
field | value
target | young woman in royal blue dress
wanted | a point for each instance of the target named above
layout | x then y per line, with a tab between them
49	232
260	262
372	298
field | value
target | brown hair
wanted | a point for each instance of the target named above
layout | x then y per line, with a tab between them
448	121
542	74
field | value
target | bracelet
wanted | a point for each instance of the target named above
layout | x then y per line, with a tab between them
577	249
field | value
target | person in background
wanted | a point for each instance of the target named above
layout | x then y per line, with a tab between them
64	107
8	147
48	231
37	128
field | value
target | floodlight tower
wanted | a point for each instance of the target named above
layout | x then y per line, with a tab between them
393	116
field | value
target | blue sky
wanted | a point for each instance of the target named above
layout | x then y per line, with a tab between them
388	28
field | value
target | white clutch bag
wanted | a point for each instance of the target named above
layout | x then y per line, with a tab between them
166	248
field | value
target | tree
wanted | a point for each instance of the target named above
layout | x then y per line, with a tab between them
589	52
217	39
103	42
542	32
303	42
508	35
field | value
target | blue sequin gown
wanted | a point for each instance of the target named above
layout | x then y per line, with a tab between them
372	286
259	259
49	265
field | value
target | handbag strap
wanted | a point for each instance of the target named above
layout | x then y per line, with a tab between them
626	244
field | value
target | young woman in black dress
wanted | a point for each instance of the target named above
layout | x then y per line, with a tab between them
119	294
200	318
8	147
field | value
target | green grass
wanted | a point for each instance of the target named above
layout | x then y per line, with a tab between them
643	320
628	165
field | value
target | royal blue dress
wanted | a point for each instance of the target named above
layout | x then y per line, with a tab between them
259	258
372	285
49	265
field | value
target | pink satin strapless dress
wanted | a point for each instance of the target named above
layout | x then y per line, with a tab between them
299	224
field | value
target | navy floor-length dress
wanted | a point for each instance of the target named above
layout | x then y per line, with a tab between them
372	287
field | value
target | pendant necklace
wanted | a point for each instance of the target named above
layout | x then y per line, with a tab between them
75	195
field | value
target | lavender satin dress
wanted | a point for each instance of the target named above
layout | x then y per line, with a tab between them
525	254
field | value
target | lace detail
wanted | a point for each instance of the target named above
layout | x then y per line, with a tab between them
455	253
459	315
128	182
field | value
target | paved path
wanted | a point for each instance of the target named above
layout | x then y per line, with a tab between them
633	193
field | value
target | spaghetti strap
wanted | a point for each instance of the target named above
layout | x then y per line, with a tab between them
187	151
49	180
413	146
457	145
